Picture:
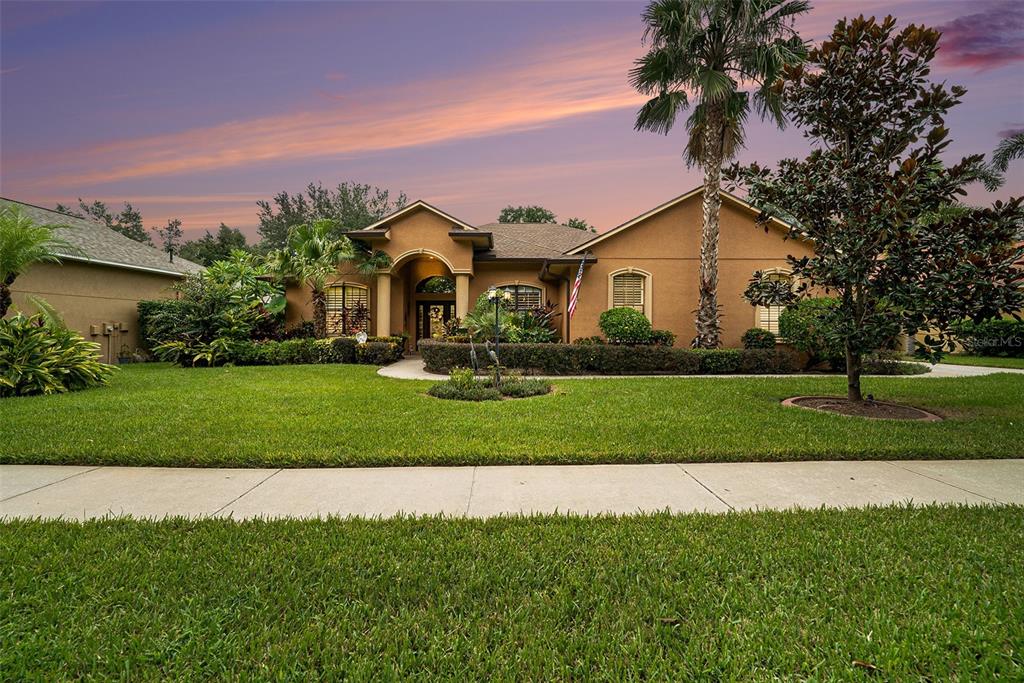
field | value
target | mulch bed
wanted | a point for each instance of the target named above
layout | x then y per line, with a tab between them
878	410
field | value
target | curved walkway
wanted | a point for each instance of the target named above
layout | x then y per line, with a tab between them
412	368
80	493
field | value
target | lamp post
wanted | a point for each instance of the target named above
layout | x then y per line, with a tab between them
497	296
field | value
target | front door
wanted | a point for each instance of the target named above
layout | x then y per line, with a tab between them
431	317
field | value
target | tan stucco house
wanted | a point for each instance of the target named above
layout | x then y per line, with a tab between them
97	289
649	263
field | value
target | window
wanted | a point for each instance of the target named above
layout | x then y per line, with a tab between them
348	309
768	316
524	297
629	289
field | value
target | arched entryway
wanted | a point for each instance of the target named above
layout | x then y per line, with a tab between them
434	302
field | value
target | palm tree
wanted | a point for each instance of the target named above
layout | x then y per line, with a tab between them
311	255
712	48
1010	148
23	242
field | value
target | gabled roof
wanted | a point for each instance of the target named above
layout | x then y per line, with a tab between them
100	245
726	196
418	204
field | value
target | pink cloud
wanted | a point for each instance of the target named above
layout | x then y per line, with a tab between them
523	93
984	40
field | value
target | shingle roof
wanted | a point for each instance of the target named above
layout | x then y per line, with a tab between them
99	244
531	240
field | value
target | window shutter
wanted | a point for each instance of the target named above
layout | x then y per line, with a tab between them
628	291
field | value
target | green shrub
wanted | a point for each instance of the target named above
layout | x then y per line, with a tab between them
1003	337
378	353
524	388
661	338
41	358
756	338
625	326
592	339
611	359
808	326
314	351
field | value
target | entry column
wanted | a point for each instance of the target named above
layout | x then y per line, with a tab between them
384	305
461	295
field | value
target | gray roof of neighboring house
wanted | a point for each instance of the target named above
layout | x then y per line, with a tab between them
103	246
531	240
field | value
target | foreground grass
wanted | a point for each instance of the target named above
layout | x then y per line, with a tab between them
984	361
347	416
932	593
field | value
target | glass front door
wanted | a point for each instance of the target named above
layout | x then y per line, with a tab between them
431	317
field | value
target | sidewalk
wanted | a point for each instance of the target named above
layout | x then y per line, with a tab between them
87	492
412	368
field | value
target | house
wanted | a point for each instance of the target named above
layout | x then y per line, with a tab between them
96	289
649	263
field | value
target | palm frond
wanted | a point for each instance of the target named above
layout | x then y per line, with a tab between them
659	113
1010	148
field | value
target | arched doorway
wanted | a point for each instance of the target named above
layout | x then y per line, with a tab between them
434	301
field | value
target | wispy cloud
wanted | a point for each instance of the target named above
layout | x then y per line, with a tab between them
525	92
987	39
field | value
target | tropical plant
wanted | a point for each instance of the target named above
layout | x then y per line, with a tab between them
23	242
247	273
479	322
205	324
878	203
1010	148
40	355
625	326
712	49
311	256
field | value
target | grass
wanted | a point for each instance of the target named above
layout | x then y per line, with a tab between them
984	361
347	415
932	593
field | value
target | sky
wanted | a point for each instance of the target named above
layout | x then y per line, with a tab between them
197	110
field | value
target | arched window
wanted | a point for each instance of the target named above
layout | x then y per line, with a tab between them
630	288
524	297
348	308
438	284
768	316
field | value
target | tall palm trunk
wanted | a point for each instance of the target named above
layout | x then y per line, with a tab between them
319	313
5	295
708	327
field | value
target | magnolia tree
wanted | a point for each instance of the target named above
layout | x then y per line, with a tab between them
891	240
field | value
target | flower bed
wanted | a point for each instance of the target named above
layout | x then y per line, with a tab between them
611	359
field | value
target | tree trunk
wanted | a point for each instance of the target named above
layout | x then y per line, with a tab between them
319	313
853	368
5	298
708	327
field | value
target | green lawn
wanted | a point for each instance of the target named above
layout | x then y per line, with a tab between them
347	415
985	361
922	593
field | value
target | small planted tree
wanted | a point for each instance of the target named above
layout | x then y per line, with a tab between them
891	241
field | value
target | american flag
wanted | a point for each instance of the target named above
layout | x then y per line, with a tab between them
575	296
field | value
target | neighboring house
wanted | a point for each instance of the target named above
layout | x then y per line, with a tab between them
96	290
649	263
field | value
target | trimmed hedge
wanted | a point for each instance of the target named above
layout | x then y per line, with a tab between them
315	351
1003	337
601	359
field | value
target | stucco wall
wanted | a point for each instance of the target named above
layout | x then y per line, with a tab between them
667	245
86	294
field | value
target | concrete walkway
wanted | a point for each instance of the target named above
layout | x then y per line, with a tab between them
412	368
80	493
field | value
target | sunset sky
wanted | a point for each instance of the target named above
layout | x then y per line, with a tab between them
197	110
